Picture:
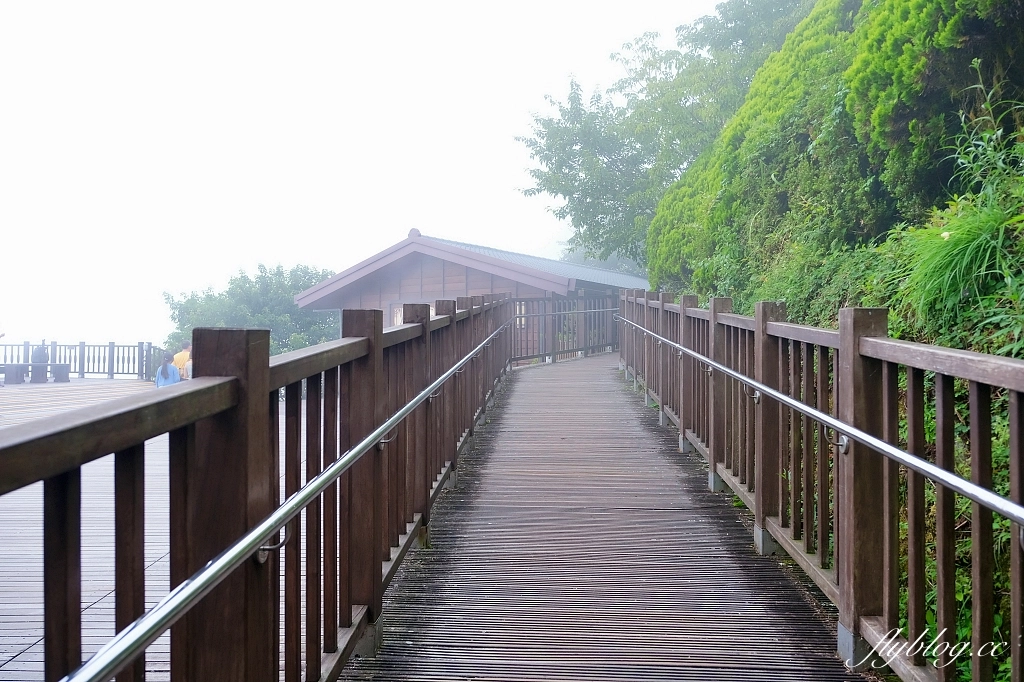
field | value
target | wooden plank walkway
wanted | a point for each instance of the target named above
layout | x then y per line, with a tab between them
21	532
21	535
580	545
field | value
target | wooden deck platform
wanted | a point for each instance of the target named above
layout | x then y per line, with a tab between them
21	534
580	545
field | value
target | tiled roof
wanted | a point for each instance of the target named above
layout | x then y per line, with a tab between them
556	267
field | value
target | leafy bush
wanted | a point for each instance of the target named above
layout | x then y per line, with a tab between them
266	300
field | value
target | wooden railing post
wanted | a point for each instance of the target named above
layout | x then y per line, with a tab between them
447	402
81	361
418	357
609	337
110	360
665	355
130	547
860	526
550	338
649	321
366	412
225	488
62	574
579	308
487	354
510	336
140	361
719	410
476	366
627	334
687	376
464	343
767	419
622	346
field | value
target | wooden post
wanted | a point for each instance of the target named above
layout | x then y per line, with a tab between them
448	404
226	488
140	361
550	340
486	354
625	342
475	368
767	418
718	433
610	337
622	346
130	547
665	355
111	350
643	343
366	412
330	503
687	375
860	527
637	341
464	342
579	306
418	357
62	574
81	361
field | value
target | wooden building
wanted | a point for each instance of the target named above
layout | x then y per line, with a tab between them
422	269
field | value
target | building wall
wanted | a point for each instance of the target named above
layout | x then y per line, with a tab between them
418	278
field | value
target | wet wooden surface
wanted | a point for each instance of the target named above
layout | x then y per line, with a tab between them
21	537
580	545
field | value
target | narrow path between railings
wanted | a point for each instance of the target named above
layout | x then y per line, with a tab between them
580	545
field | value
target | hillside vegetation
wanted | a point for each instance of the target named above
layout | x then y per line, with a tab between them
876	160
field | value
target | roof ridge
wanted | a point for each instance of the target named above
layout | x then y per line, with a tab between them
452	242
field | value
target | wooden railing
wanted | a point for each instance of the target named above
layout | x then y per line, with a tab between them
224	470
86	359
556	329
840	515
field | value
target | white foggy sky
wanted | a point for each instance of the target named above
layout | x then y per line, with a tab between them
147	148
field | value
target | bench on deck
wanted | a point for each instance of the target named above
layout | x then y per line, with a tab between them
40	372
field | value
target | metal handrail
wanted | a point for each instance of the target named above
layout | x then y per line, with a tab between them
133	640
567	312
973	491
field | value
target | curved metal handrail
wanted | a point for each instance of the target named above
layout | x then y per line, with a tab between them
567	312
133	640
973	491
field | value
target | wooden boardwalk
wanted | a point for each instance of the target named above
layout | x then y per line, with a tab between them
21	534
580	545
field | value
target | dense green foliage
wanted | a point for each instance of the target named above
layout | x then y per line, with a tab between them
610	157
909	78
265	301
830	184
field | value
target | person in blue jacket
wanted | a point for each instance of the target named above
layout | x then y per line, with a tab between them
167	374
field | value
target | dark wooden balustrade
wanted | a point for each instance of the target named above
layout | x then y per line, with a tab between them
839	515
94	360
556	329
224	476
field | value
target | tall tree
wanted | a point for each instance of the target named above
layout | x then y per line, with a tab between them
266	300
611	157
